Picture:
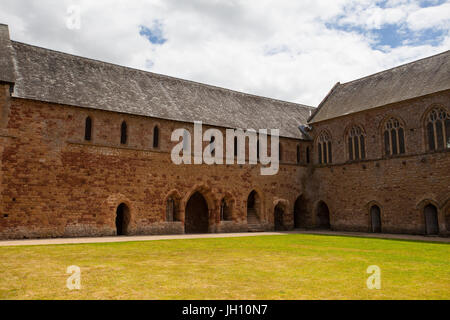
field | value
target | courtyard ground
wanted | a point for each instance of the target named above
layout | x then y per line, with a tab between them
292	266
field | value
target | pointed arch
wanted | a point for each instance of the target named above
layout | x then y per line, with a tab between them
393	136
437	128
324	147
355	138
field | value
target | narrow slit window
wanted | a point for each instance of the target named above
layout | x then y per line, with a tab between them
123	133
155	137
88	129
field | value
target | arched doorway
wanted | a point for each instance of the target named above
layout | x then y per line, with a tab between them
431	220
323	216
253	208
278	218
300	213
375	219
197	215
122	219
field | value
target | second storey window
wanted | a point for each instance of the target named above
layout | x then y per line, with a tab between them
155	137
324	149
394	137
123	133
356	144
88	129
438	129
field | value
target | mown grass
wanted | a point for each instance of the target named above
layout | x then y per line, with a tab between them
268	267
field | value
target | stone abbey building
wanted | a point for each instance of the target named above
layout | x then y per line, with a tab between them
85	150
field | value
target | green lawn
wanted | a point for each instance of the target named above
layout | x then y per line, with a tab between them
268	267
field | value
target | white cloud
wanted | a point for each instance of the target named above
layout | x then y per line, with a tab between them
281	49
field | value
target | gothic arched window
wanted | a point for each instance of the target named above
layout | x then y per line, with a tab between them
356	143
438	129
324	148
394	137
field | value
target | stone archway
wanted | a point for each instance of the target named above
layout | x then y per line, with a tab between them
300	213
323	216
431	220
122	219
279	217
375	219
196	218
253	208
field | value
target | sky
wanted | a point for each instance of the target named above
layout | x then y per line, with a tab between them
293	50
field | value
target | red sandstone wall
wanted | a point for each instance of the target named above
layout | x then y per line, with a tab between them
401	186
55	184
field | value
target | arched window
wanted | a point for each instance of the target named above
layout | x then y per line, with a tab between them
394	137
438	129
123	133
298	154
324	148
356	143
88	129
155	137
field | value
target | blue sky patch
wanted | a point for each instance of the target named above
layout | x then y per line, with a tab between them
153	34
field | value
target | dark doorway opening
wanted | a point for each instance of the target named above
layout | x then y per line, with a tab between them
278	218
375	219
122	219
197	215
300	213
431	220
253	205
323	216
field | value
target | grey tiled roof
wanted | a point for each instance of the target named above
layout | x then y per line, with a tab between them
57	77
405	82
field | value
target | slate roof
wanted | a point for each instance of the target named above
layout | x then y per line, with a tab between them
405	82
50	76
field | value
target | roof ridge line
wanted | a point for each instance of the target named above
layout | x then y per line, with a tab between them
397	67
167	76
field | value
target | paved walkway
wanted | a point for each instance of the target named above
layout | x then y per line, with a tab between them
37	242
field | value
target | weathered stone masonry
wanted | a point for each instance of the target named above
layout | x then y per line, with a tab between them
56	183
